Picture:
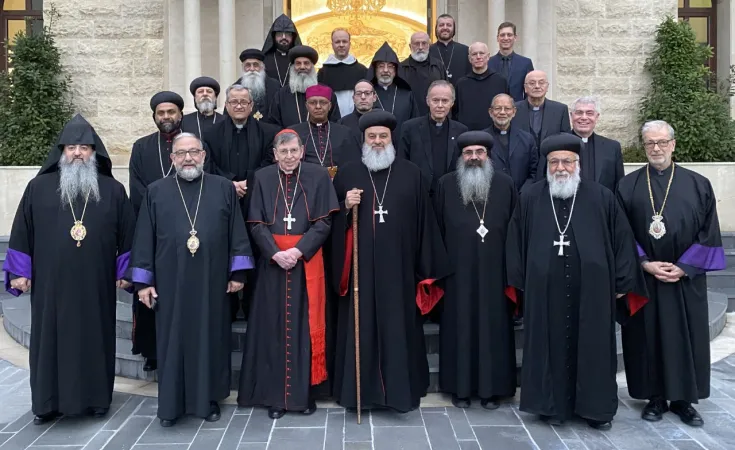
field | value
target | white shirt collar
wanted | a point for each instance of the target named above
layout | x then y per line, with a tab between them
333	60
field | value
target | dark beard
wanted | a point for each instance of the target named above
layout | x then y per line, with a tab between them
168	127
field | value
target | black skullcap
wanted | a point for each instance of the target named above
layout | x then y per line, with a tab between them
377	118
167	97
251	53
303	51
563	141
204	82
475	138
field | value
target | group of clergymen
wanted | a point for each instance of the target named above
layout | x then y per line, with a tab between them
433	213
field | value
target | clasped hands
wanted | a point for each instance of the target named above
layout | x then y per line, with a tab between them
22	284
287	259
663	271
241	187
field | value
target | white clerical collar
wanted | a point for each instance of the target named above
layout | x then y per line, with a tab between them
239	126
503	131
536	108
385	88
282	53
585	140
333	60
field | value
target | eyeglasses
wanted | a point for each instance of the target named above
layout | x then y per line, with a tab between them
194	153
364	93
503	108
236	103
478	152
537	83
565	162
662	144
321	103
589	113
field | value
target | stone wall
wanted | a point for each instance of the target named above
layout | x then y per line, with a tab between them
601	48
113	51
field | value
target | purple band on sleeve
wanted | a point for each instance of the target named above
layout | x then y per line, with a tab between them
641	253
143	276
242	263
704	257
17	263
122	265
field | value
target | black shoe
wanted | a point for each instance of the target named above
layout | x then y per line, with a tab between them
460	402
552	420
311	409
44	418
214	413
276	413
490	403
165	423
150	365
98	412
599	425
687	413
654	410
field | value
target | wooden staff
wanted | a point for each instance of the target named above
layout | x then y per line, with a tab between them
356	300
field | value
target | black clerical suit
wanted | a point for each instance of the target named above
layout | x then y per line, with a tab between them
197	123
432	148
549	119
277	62
514	68
420	75
515	154
475	94
262	105
601	160
329	144
455	58
352	121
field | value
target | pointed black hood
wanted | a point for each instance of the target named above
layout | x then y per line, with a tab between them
386	54
283	23
78	131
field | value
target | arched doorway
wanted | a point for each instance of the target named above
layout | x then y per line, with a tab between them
702	16
13	18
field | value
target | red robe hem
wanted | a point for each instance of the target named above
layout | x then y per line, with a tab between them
428	295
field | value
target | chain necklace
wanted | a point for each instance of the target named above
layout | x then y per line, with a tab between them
160	158
278	71
298	108
657	229
78	230
482	231
380	210
289	219
561	243
193	242
393	108
200	127
446	66
321	158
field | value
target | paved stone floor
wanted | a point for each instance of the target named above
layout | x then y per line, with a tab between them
132	424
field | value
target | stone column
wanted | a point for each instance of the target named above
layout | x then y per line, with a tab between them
192	47
529	32
226	44
495	16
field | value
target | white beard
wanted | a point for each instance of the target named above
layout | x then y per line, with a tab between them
474	182
255	82
299	82
420	56
190	173
206	107
77	179
563	186
376	160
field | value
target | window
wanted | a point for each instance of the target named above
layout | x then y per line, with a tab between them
13	18
702	16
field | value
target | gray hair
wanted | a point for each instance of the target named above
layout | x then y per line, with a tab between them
285	137
587	100
236	87
657	125
185	135
440	83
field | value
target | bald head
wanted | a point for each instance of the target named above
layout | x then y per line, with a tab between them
479	55
536	86
419	45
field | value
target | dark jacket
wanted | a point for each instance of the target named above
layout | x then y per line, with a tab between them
608	161
554	121
519	68
522	161
420	76
457	63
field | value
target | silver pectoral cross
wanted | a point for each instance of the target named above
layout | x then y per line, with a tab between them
380	212
289	219
561	243
449	75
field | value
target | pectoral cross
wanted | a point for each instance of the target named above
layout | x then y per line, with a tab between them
561	243
380	212
290	220
449	75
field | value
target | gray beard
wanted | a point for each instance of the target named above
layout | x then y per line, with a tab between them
474	182
77	179
564	187
376	160
190	173
255	82
206	107
420	57
299	82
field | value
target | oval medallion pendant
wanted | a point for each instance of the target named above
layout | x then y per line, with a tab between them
657	228
78	232
192	243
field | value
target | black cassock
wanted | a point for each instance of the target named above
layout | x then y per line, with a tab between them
277	365
570	310
289	109
475	93
455	57
329	144
477	352
73	302
399	260
262	105
666	347
192	313
198	124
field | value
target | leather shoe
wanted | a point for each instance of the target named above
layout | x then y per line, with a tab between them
552	420
150	365
687	413
599	425
311	409
99	412
460	402
44	418
214	413
276	413
654	410
165	423
490	403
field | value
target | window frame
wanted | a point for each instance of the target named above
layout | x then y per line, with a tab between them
25	14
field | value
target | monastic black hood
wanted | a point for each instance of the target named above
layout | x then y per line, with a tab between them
386	54
78	131
283	23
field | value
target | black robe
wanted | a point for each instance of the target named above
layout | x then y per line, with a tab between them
406	250
342	78
352	121
666	347
199	128
276	366
73	302
262	106
570	310
475	93
477	350
289	109
276	62
455	58
192	313
343	144
420	75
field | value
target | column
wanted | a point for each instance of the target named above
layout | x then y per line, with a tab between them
192	47
226	45
529	30
495	16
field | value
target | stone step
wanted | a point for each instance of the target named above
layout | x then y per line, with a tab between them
730	258
4	243
728	240
730	292
721	279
